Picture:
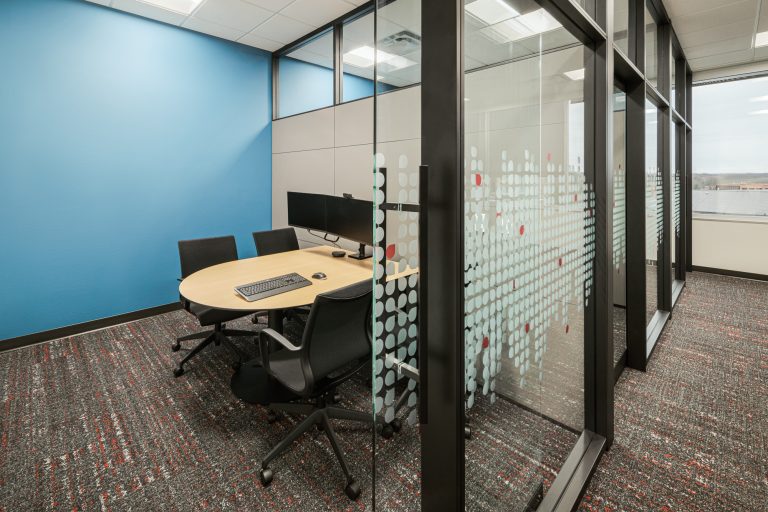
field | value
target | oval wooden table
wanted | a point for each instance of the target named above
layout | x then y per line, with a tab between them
215	286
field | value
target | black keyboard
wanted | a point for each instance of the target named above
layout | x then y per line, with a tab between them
272	286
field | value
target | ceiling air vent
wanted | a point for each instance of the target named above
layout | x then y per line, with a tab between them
401	43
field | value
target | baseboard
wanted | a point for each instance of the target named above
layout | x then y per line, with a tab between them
72	330
730	273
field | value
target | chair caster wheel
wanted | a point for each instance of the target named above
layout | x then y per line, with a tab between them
266	476
175	347
467	432
352	490
387	431
396	424
178	371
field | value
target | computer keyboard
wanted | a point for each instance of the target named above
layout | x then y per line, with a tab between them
272	286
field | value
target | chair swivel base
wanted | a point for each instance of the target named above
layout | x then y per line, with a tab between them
220	334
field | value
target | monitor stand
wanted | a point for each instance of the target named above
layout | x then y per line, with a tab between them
361	255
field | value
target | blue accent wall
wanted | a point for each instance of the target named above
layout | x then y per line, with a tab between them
119	136
305	86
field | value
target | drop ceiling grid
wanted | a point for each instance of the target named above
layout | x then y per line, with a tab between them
265	24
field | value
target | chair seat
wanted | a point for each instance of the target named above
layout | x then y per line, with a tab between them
210	316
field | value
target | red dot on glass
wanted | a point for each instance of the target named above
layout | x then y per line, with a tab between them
390	251
486	342
549	157
567	328
522	230
498	214
575	198
527	327
560	262
478	179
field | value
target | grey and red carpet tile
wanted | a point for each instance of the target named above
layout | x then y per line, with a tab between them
692	432
97	422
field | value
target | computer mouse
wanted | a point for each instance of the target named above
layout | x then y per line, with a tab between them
319	275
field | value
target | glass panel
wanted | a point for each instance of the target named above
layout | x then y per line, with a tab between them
651	48
398	33
675	184
306	77
357	42
619	224
528	240
673	84
730	176
397	147
653	210
621	25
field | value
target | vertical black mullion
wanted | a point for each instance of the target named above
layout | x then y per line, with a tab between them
338	65
689	170
275	86
664	259
637	33
442	125
598	326
682	157
635	211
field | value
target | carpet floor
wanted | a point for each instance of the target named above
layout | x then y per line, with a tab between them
692	432
97	422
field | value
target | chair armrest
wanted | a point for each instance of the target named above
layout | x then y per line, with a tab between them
267	335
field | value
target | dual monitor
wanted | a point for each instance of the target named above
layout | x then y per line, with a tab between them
341	216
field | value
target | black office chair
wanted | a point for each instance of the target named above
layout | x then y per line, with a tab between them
196	255
276	241
335	345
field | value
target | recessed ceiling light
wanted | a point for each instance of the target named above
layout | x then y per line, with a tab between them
363	57
491	11
180	6
758	113
761	39
576	74
759	98
521	27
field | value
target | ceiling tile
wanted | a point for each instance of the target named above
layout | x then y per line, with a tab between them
282	29
260	42
235	14
271	5
317	12
679	8
100	2
149	11
213	29
723	32
695	20
721	60
719	47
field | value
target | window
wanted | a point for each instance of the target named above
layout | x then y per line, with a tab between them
306	76
357	57
730	169
651	48
621	25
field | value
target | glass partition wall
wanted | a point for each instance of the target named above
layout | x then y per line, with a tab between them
619	225
654	215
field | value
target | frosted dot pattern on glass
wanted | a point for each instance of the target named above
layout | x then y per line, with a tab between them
529	247
654	206
396	301
677	203
619	212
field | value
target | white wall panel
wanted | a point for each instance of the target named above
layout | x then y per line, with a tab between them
399	115
354	171
354	123
731	244
313	130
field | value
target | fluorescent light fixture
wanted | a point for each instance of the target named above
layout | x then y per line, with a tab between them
180	6
521	27
759	98
576	74
491	12
761	39
363	57
759	113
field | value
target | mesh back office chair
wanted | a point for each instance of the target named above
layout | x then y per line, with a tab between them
276	241
196	255
335	345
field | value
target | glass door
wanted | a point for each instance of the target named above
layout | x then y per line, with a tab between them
619	225
528	245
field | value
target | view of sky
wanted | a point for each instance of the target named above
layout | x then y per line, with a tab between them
731	126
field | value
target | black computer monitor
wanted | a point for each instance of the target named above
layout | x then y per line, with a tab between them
307	211
348	218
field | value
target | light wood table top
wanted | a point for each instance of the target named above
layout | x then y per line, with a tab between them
215	286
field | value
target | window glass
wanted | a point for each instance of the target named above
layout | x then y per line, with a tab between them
673	84
730	169
306	76
398	34
621	25
654	216
651	48
619	224
357	56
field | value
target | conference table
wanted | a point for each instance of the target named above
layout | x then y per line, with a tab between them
215	286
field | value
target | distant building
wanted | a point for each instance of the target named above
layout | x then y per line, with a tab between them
739	186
